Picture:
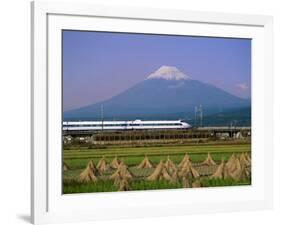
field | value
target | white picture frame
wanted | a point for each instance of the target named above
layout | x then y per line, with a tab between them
47	202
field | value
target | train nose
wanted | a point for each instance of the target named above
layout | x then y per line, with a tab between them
186	125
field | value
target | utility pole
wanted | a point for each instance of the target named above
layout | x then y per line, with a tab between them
201	115
198	114
102	118
231	130
195	115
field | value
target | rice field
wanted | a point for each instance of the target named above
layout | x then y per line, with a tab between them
77	160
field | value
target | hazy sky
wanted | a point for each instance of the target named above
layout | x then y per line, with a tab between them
99	65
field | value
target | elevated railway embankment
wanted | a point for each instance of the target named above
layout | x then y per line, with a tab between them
160	135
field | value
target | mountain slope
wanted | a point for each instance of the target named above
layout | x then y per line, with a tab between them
164	93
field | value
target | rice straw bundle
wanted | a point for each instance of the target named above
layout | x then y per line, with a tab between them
145	163
170	166
196	184
89	174
122	173
101	166
160	173
65	167
184	160
219	173
185	182
115	163
243	160
175	177
124	185
188	170
209	161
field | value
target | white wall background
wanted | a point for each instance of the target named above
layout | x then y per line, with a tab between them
15	108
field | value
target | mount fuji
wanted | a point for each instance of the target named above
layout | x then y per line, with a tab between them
167	93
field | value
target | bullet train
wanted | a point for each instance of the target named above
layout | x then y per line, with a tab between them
124	125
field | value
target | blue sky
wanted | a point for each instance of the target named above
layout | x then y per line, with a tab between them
99	65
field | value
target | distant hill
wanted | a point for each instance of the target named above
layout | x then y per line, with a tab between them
238	117
165	94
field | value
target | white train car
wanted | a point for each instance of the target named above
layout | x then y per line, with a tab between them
124	125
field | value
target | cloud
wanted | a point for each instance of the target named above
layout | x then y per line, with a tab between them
243	86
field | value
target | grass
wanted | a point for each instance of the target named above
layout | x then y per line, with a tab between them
74	186
206	182
77	160
154	150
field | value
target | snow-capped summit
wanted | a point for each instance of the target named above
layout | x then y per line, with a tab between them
168	73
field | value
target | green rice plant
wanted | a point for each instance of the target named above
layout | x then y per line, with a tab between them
74	186
207	182
77	160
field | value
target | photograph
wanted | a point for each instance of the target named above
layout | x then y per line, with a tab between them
145	111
